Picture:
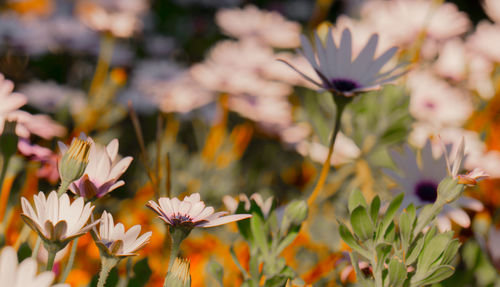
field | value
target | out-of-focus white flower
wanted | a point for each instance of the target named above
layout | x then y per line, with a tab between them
264	205
27	123
102	172
342	74
270	28
265	111
492	8
56	219
191	212
167	86
435	101
50	97
419	182
114	241
118	17
402	21
14	274
345	150
237	68
480	77
485	41
452	60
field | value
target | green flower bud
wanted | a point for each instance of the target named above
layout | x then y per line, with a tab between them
8	139
178	275
296	211
74	160
449	190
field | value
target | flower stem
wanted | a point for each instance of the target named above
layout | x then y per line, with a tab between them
107	263
63	188
106	51
69	264
36	248
178	234
51	257
341	102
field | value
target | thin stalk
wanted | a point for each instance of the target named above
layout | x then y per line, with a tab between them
5	190
5	165
69	264
63	188
37	247
51	257
326	165
106	51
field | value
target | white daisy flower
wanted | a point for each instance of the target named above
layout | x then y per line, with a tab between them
14	274
419	180
191	212
342	74
114	241
57	220
264	205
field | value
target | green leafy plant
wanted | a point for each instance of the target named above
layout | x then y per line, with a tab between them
403	248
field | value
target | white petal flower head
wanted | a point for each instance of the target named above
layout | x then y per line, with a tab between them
103	171
14	274
191	212
57	220
264	205
113	239
419	180
340	73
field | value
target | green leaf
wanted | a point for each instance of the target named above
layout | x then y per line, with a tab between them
451	251
414	250
356	199
142	272
397	273
437	275
289	238
258	233
382	250
390	213
349	239
375	208
217	271
432	251
361	223
405	229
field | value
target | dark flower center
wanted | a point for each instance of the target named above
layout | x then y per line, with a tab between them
426	191
343	85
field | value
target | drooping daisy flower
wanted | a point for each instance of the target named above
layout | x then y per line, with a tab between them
57	220
420	183
114	241
191	212
102	172
343	75
14	274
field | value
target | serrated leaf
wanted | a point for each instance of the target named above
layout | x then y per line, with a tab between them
361	223
397	273
356	199
374	209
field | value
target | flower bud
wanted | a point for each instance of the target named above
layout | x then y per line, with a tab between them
449	189
296	211
8	139
74	160
178	275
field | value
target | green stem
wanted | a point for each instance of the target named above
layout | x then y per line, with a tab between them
427	217
37	247
51	257
63	188
5	165
69	264
178	234
341	102
107	263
